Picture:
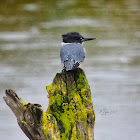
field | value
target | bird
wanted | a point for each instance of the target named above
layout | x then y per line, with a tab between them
72	53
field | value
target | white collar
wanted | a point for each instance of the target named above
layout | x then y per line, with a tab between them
63	43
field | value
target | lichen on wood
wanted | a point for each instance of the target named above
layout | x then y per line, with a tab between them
70	103
70	114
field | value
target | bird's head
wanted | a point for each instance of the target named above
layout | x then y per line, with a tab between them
75	37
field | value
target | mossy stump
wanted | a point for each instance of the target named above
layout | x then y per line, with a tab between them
70	114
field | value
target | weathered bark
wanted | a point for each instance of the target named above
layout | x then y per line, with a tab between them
70	114
31	118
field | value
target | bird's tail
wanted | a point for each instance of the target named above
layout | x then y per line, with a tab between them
68	65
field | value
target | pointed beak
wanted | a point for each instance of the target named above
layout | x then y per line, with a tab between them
87	39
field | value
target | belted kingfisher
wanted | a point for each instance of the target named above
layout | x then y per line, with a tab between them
72	52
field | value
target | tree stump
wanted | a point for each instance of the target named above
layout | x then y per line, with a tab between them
70	114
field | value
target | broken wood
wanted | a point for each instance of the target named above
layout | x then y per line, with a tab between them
70	114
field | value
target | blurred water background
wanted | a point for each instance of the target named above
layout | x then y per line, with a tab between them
30	41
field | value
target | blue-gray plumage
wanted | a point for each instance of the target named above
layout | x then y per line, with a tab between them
72	52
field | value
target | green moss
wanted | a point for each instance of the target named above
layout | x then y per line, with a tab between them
70	103
24	122
23	104
22	101
50	127
66	124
